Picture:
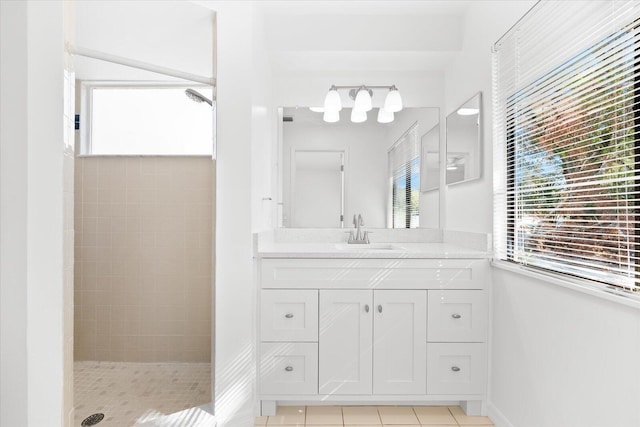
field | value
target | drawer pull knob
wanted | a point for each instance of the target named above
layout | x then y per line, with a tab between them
456	316
379	309
289	368
366	308
455	369
288	315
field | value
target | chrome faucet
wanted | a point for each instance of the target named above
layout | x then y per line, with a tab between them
361	236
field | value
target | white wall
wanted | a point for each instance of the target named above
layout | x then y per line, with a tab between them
468	74
562	358
31	214
559	357
240	97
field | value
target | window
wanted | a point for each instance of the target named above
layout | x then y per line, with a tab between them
404	174
567	110
145	120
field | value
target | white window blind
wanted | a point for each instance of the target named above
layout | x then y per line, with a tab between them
404	173
566	155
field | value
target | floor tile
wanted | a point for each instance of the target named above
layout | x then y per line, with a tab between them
324	415
289	416
398	415
465	420
361	415
434	415
261	421
130	393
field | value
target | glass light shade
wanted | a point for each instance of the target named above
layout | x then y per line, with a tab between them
317	109
331	116
363	101
393	101
358	116
332	102
385	116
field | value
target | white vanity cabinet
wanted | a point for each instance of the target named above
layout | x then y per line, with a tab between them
372	330
372	342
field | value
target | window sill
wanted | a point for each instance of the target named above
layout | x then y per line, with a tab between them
618	296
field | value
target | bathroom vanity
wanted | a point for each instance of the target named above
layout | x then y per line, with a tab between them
386	323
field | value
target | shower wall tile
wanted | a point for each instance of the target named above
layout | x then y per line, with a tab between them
143	259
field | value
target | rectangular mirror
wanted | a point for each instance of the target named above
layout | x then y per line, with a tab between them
463	142
317	191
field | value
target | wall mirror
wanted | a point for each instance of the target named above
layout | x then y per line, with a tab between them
431	160
327	172
463	142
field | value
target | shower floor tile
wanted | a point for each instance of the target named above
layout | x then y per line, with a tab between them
131	393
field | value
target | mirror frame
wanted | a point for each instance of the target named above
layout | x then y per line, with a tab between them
479	158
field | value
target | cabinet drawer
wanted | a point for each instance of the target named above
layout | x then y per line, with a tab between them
289	368
289	315
458	316
374	273
456	368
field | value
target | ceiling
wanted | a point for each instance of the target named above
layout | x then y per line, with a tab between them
362	35
300	36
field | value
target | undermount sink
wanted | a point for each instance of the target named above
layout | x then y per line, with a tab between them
367	247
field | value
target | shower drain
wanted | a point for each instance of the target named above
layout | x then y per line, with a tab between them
92	420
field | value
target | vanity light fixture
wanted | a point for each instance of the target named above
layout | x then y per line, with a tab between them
362	99
331	116
358	116
385	116
362	96
332	102
393	101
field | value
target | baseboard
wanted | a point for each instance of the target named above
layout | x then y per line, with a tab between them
498	418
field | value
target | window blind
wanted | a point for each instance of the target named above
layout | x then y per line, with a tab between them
404	173
566	145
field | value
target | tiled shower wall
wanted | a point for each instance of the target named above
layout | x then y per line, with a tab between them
143	258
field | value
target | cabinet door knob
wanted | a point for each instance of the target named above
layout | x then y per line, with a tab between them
456	316
366	308
289	368
288	315
455	369
380	309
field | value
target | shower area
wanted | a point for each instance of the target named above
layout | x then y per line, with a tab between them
144	196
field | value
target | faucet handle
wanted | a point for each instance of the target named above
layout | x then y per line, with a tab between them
351	236
366	237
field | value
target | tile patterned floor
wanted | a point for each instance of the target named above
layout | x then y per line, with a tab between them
134	393
372	416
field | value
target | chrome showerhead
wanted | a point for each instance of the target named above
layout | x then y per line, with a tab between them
197	97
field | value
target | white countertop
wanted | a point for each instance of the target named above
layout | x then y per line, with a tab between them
375	250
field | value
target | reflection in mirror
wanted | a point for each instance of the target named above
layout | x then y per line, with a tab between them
463	142
317	189
312	190
431	160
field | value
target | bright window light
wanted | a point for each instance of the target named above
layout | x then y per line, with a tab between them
148	121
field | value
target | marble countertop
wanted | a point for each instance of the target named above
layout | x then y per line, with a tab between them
374	250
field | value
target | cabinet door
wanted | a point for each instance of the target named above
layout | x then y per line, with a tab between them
345	340
400	342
